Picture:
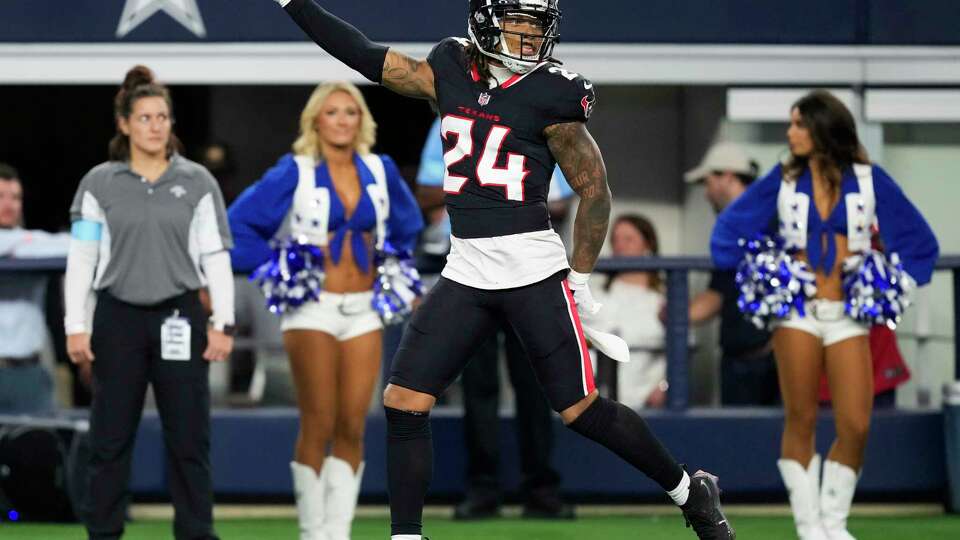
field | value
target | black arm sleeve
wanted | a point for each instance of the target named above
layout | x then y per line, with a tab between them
339	38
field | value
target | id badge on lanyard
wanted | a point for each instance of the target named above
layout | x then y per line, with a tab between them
175	338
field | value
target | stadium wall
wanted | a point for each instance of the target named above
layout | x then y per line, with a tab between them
251	450
813	22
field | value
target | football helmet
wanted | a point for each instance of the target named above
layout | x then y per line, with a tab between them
486	30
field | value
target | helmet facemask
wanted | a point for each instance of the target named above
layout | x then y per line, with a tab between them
519	34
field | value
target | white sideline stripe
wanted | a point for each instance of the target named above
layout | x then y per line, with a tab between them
280	511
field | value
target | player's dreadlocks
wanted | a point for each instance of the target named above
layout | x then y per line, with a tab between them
482	61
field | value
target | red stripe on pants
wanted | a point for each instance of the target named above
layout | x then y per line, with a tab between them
587	366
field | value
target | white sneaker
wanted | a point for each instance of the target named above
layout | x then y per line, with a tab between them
803	486
836	497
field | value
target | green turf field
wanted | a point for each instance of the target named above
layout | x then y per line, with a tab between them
606	528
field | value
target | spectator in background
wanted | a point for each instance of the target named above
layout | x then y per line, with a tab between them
254	323
632	302
748	372
217	158
26	383
11	198
540	484
341	198
149	230
435	238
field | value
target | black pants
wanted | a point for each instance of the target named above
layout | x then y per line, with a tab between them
481	398
455	320
749	381
126	344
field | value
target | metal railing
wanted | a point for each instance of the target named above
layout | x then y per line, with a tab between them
677	270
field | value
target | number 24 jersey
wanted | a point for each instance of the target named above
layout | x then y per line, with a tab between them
498	164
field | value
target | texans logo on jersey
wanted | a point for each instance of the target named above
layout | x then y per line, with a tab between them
587	103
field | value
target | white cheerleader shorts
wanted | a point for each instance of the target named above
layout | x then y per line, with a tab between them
343	316
826	320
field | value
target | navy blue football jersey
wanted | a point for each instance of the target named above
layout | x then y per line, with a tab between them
498	165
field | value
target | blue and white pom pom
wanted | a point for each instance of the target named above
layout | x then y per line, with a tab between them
771	282
876	287
397	285
293	275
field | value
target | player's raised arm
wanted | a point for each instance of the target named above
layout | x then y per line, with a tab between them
408	76
581	162
379	64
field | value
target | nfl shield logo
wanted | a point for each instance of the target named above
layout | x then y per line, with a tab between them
484	99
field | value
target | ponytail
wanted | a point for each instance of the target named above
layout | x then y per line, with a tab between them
138	83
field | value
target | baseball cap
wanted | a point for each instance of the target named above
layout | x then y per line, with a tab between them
723	156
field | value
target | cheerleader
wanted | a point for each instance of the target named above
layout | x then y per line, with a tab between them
822	203
341	207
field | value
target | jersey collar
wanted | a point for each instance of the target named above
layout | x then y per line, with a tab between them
517	77
173	165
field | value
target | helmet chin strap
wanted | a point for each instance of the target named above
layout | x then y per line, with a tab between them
514	65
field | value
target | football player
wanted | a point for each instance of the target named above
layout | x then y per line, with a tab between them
509	114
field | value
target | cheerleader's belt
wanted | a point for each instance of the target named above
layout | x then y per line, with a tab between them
827	310
827	320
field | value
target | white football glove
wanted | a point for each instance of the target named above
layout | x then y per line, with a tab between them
587	306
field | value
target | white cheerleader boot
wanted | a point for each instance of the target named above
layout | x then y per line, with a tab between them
803	485
343	488
309	488
836	496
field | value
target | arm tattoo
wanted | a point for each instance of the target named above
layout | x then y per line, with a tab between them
581	162
408	76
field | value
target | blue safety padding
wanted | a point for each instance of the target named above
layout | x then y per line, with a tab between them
251	452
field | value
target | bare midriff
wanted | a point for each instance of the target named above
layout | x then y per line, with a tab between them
830	287
345	276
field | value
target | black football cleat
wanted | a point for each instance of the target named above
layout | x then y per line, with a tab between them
702	510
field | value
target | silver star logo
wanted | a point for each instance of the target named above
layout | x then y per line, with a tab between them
184	12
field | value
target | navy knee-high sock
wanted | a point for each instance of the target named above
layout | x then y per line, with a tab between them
622	430
409	468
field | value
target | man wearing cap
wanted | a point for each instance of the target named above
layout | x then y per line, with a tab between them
748	373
